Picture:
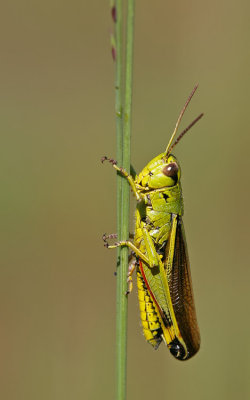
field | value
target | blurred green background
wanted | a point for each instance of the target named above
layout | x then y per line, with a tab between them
57	288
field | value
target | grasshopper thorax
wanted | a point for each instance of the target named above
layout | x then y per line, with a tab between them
161	172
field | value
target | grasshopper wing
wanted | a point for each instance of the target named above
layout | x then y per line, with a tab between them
181	292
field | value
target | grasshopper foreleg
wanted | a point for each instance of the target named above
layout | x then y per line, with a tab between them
124	173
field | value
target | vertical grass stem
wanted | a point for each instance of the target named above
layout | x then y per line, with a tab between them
123	129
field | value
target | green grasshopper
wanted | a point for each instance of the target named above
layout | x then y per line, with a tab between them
161	259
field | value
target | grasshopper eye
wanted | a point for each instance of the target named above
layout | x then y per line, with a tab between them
171	170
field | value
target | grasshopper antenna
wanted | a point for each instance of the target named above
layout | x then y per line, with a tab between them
179	120
185	131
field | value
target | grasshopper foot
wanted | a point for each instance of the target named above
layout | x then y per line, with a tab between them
111	160
105	238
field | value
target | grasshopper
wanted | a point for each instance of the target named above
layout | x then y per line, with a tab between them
160	253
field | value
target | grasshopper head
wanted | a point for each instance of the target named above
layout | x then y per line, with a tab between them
163	171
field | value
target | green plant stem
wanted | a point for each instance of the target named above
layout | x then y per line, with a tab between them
123	189
120	365
118	107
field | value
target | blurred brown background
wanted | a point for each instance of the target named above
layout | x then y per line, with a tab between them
57	288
